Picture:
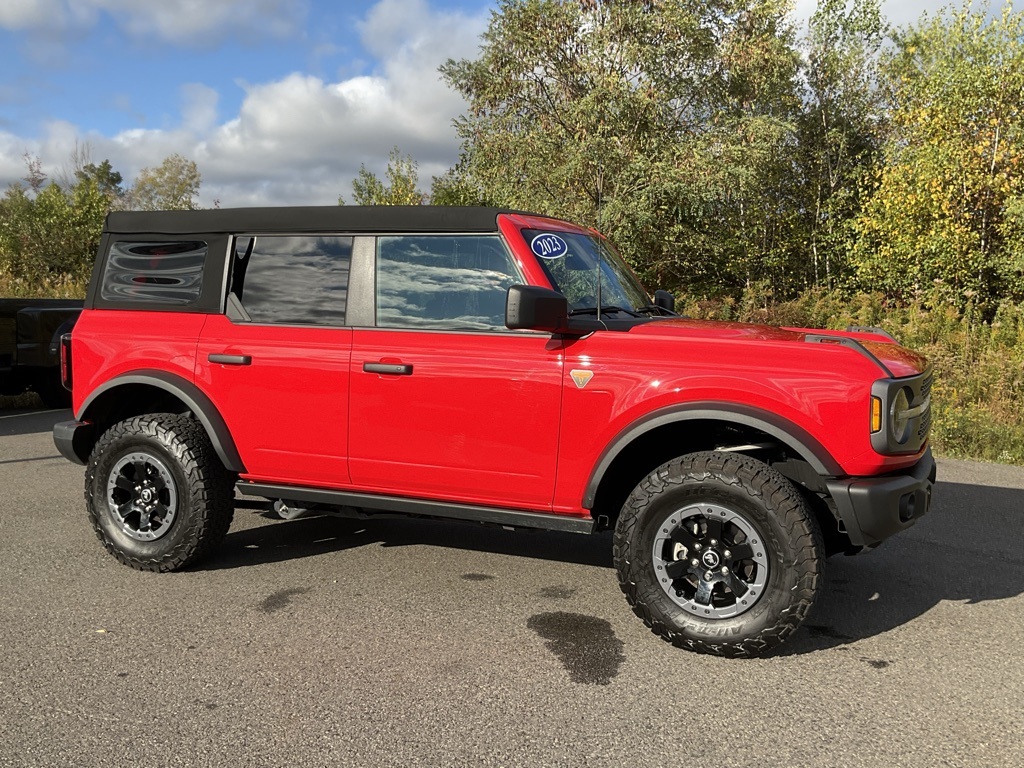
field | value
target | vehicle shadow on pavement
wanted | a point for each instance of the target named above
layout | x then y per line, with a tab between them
28	420
968	549
274	540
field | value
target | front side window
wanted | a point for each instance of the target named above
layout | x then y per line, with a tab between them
300	280
168	272
443	282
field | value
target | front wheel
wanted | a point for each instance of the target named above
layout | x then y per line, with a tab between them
718	553
157	494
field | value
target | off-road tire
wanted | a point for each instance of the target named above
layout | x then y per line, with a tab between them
753	495
184	459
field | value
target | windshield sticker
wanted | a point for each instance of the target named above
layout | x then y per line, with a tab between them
548	246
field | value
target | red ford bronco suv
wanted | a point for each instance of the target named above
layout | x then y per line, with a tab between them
491	366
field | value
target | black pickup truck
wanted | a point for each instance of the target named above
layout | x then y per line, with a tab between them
30	331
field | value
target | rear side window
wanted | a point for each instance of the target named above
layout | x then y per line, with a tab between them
165	273
443	282
300	280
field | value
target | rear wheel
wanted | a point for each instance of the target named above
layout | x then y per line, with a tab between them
158	497
718	553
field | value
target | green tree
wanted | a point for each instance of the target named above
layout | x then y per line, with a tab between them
840	128
107	180
1012	231
953	161
172	185
453	188
401	188
661	123
34	176
52	236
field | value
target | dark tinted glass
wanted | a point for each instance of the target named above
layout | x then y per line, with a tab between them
444	282
154	273
293	280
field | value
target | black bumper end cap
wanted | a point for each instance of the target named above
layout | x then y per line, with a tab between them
74	440
874	508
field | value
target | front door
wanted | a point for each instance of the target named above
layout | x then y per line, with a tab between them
445	401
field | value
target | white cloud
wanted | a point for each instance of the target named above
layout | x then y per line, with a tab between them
199	107
12	165
28	14
300	139
186	22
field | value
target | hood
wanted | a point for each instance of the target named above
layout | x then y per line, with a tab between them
899	361
719	329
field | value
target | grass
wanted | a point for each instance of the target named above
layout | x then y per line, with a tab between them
55	287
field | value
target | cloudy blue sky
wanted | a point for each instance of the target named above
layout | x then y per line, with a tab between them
278	101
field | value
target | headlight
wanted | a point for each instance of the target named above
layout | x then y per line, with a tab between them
899	416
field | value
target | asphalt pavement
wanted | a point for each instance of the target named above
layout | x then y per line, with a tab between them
327	642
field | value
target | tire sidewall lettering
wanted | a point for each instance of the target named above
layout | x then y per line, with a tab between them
203	487
749	489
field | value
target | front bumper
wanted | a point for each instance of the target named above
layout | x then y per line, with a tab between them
874	508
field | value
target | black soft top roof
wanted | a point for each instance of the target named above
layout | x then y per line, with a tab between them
327	218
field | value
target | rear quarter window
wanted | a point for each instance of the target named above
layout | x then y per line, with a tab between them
167	273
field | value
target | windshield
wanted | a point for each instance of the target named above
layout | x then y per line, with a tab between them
584	267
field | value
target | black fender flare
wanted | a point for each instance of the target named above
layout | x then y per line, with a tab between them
194	399
797	438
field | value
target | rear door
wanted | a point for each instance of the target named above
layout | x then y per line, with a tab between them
277	362
446	402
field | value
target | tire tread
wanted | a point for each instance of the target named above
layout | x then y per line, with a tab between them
763	484
210	487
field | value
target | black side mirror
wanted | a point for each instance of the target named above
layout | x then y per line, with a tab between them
665	300
528	307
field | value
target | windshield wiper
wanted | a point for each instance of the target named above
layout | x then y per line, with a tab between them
606	309
654	309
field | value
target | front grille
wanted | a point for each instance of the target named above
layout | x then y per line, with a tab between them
925	425
926	386
924	421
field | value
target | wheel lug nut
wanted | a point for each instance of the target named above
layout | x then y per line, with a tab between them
727	553
708	576
697	546
714	542
725	571
695	561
